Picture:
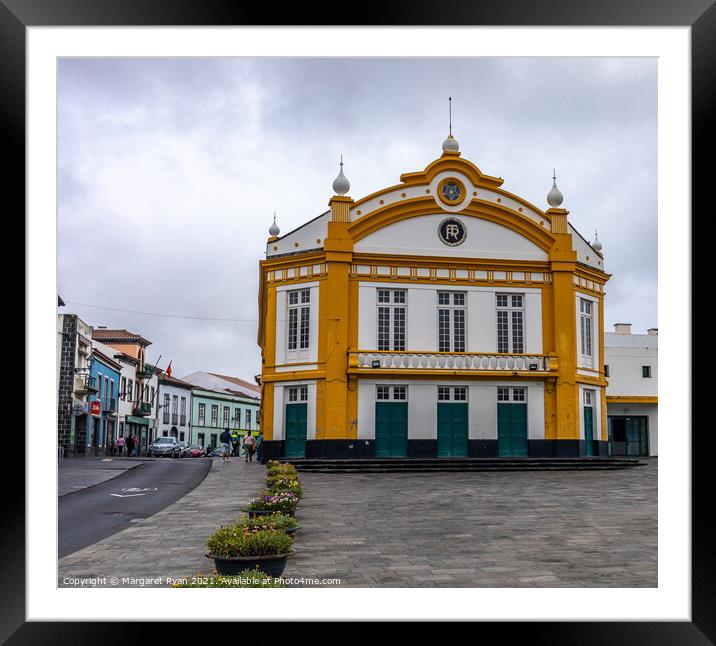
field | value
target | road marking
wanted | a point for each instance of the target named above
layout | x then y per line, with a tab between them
131	495
137	489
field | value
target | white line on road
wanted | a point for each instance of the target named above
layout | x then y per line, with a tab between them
129	495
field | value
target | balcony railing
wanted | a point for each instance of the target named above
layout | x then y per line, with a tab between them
446	361
109	405
142	409
165	418
182	420
175	419
86	385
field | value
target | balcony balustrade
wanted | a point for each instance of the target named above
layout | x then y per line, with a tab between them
85	385
142	409
182	420
445	361
175	419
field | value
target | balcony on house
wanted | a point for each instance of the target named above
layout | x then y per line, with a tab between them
360	361
85	385
182	420
175	419
142	409
165	418
109	405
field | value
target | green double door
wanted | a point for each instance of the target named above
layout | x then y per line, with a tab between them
296	423
452	430
589	430
391	429
511	430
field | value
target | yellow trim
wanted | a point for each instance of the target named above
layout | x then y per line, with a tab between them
451	180
632	399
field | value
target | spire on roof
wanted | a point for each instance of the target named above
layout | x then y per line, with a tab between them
450	145
341	185
554	197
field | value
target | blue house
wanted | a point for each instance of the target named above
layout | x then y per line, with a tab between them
102	419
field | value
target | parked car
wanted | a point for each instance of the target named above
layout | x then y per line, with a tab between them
195	451
180	450
216	453
163	447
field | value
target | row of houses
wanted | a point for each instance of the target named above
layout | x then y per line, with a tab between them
107	389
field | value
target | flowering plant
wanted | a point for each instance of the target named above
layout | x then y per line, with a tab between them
280	501
270	521
232	540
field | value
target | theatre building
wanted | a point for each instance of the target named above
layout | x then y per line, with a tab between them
442	316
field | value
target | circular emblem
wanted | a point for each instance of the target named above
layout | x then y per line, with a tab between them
452	232
451	191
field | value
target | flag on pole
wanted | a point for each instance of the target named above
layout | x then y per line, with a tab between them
169	369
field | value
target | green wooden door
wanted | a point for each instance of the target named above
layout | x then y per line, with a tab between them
296	416
512	430
452	430
635	430
589	430
391	429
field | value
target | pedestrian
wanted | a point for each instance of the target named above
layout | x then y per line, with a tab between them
130	445
235	443
225	439
120	446
260	447
249	445
110	446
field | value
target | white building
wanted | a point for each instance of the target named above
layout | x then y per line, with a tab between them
631	364
174	418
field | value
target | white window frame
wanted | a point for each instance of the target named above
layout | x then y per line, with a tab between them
201	414
452	394
302	308
297	394
514	394
510	309
452	309
391	306
395	393
586	322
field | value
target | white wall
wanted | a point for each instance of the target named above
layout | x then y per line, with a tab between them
422	317
419	236
422	408
625	355
306	236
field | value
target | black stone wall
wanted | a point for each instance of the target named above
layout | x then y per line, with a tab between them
67	382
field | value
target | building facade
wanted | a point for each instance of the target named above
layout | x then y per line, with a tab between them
631	363
442	316
212	411
138	385
174	419
74	383
102	420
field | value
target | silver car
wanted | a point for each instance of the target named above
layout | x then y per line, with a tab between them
163	446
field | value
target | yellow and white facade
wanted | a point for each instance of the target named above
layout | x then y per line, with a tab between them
446	297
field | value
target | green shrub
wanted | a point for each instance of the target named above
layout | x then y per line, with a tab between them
280	468
268	501
271	521
233	540
244	579
282	480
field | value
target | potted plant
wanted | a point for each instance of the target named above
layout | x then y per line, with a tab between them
244	579
236	548
285	484
279	522
269	503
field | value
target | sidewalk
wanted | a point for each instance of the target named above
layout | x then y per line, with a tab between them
172	542
74	474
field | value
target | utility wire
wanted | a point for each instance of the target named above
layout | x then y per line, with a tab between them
172	316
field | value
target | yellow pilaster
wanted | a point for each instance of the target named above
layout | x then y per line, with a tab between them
333	331
267	411
563	262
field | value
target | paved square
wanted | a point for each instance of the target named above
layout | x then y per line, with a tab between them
510	529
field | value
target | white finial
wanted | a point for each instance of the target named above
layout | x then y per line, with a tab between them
274	230
554	197
341	185
596	245
450	145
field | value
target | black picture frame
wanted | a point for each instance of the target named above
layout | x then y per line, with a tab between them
700	15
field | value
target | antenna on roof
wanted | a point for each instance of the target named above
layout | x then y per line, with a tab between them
450	112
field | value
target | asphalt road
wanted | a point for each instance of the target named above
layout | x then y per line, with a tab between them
89	515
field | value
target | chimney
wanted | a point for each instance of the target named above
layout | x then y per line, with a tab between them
653	331
622	328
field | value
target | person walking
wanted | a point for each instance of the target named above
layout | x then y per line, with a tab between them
120	446
249	445
235	443
130	445
260	447
225	438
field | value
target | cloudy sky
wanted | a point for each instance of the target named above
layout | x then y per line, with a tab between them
170	171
